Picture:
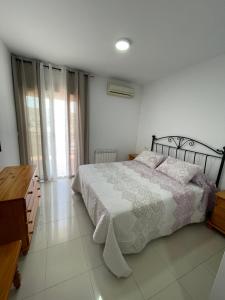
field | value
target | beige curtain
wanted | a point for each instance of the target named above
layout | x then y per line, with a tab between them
52	117
26	95
78	116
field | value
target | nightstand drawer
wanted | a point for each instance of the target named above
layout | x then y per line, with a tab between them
219	211
218	220
220	202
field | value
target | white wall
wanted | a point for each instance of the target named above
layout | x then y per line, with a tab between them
189	103
113	120
8	131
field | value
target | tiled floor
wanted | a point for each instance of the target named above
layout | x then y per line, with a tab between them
64	263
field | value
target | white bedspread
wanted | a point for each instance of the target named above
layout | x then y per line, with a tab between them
131	204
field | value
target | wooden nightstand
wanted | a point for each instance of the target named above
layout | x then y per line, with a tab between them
217	219
132	156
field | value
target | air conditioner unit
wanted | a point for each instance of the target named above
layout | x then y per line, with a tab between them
119	89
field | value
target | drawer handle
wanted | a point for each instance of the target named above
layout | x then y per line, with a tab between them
29	210
31	232
38	188
30	192
30	222
39	196
36	176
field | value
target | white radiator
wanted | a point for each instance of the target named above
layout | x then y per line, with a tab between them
105	155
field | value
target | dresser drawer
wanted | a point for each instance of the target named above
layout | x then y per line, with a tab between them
29	204
17	190
32	201
28	198
32	204
32	215
31	228
30	192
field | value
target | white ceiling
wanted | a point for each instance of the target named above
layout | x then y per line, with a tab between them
167	35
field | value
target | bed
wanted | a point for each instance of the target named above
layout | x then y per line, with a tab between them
131	204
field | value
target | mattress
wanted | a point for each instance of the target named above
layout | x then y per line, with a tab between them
131	204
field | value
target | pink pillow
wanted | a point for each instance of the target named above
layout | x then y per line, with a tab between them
150	159
179	170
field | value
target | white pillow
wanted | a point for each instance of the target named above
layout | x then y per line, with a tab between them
150	159
179	170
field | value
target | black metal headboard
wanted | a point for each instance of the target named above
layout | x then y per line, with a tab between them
180	142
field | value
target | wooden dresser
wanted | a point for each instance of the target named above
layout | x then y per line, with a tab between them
19	200
217	219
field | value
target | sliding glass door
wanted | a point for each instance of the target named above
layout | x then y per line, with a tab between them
56	120
51	106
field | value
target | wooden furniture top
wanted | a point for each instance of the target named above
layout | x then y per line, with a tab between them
132	156
14	182
9	254
221	195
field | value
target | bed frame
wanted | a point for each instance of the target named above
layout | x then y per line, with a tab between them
181	142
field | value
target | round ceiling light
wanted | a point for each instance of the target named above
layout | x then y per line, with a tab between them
122	45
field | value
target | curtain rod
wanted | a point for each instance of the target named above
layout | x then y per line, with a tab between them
54	67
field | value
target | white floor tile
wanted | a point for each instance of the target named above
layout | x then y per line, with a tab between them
201	243
56	211
32	269
62	231
78	288
150	271
59	190
173	251
93	252
39	238
40	217
198	283
173	292
78	204
108	287
213	263
56	201
65	261
85	224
